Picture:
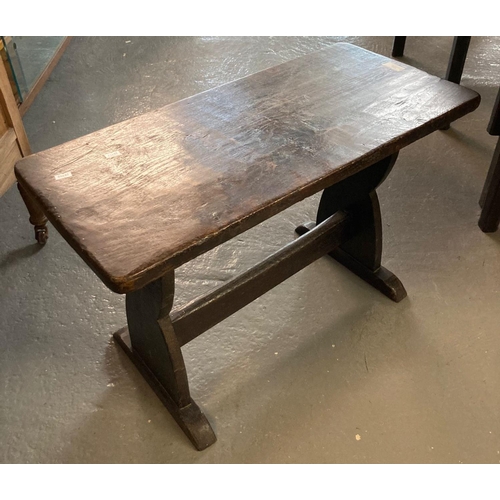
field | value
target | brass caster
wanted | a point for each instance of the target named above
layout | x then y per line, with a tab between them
41	234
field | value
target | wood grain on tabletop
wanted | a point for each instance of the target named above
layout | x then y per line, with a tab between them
149	194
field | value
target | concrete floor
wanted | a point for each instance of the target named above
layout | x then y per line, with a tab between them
297	375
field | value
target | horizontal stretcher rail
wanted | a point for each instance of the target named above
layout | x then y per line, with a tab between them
205	312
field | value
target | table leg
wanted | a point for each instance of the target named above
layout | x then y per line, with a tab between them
363	252
37	217
490	213
151	343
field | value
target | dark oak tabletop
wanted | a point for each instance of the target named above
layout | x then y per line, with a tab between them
149	194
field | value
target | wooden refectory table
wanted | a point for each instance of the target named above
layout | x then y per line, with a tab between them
140	198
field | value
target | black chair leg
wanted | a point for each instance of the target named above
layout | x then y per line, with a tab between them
490	197
457	62
398	47
457	58
490	214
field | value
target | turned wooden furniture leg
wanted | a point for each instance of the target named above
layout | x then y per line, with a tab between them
363	252
152	344
398	47
37	217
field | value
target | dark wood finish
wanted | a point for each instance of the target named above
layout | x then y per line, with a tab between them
348	228
398	48
154	336
362	253
493	129
205	312
189	418
494	124
490	196
456	62
181	180
37	217
152	344
40	82
138	199
490	213
457	58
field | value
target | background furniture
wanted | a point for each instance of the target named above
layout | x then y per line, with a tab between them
457	56
25	65
490	197
29	61
13	146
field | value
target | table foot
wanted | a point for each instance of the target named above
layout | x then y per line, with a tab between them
362	251
382	279
189	418
151	343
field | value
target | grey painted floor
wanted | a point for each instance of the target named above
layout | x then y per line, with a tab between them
297	375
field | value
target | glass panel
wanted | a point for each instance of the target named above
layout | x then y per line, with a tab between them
13	67
33	53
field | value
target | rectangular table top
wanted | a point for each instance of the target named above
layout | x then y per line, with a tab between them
144	196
